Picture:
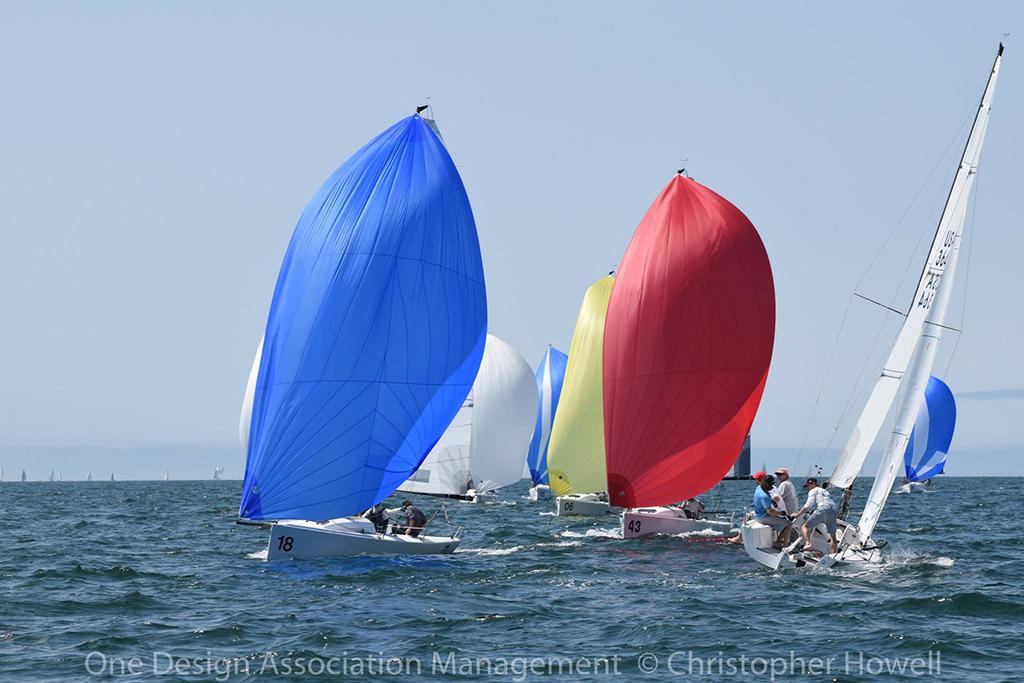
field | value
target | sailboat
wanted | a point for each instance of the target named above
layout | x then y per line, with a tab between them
925	456
52	476
167	475
687	346
484	447
1	473
23	476
576	467
111	476
60	476
550	376
907	367
217	471
89	478
375	334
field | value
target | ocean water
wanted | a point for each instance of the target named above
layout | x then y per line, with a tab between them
154	581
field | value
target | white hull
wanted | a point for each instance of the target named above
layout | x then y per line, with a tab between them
637	522
540	492
474	496
914	487
758	540
581	505
300	539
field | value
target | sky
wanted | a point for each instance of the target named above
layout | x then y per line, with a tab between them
154	158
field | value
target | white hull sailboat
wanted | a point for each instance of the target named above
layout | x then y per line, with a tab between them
670	520
907	369
375	335
583	505
915	487
301	539
687	348
540	492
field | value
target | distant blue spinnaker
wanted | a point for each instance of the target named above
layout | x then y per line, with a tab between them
550	375
929	443
375	333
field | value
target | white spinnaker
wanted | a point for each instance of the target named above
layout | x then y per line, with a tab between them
250	392
490	435
504	416
941	257
445	470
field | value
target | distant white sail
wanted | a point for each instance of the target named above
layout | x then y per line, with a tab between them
490	435
250	392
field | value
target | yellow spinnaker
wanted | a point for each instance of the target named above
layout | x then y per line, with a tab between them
576	450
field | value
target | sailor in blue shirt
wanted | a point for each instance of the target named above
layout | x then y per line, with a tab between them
768	514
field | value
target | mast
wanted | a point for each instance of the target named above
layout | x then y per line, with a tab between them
918	339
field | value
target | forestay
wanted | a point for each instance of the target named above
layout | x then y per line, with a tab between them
375	333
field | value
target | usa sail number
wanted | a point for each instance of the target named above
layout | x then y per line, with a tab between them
936	267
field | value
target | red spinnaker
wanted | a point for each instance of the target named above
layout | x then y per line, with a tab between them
687	344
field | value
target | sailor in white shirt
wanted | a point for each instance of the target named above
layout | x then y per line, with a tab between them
786	490
822	510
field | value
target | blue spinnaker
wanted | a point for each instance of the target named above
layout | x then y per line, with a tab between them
550	375
375	333
929	443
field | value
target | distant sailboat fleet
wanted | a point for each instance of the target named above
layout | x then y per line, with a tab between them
376	372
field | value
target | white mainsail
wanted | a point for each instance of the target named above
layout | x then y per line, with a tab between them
488	439
913	353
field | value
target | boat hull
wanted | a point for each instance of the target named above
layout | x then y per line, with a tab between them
638	522
758	540
300	539
540	492
581	505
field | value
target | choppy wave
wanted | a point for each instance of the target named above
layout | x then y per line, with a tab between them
190	581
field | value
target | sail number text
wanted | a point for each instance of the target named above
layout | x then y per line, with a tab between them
933	278
285	543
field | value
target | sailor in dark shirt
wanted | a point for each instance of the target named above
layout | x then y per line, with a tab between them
415	520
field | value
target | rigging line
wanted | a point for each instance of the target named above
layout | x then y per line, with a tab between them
858	388
879	303
917	194
860	281
821	387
